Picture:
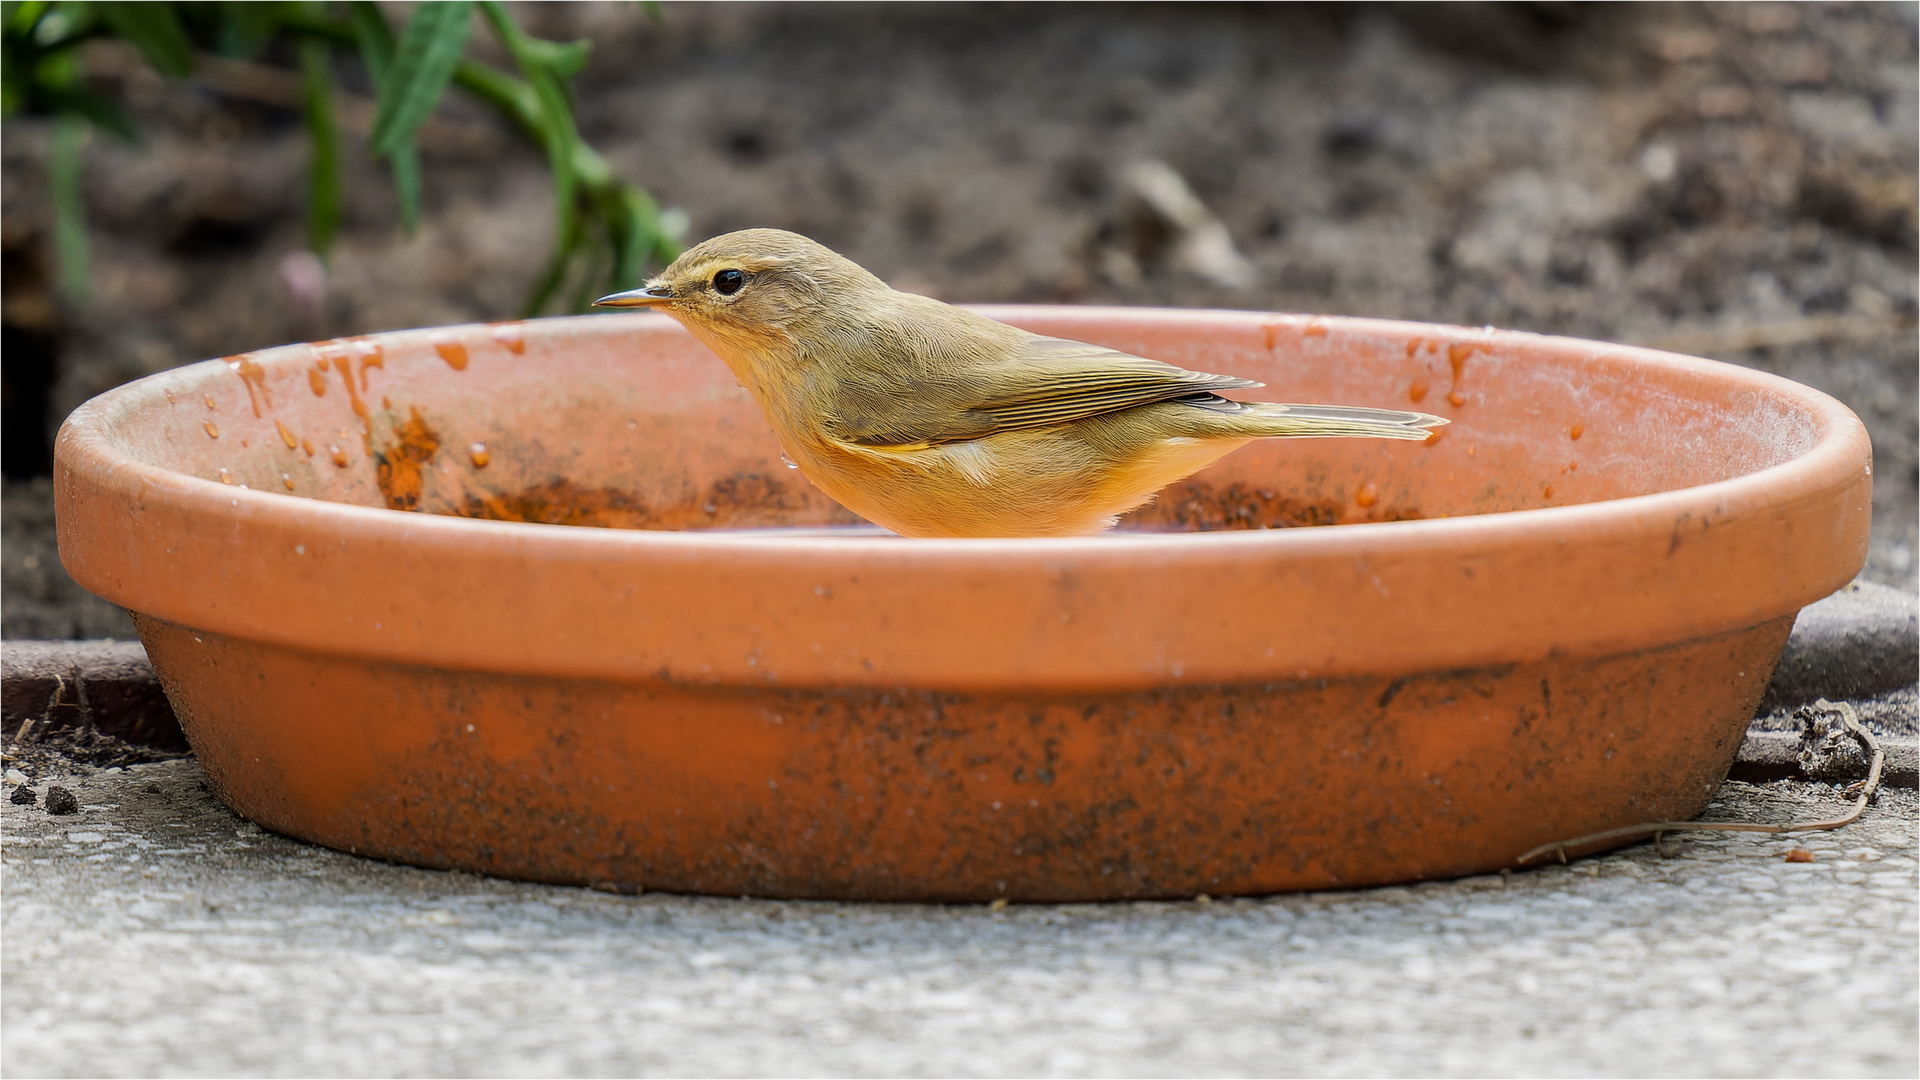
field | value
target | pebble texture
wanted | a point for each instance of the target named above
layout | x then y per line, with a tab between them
156	934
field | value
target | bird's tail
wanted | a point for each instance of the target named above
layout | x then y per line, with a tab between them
1271	420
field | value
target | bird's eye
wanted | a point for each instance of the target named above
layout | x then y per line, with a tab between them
728	282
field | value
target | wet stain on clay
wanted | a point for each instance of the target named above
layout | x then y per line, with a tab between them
255	378
1457	356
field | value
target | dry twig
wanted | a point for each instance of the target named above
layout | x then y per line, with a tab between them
1658	829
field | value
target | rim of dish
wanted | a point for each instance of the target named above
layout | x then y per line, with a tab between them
1836	428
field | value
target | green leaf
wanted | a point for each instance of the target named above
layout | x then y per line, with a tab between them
634	229
552	122
19	18
376	51
323	176
63	25
604	227
406	182
563	61
557	128
154	28
552	277
370	29
428	51
510	97
246	26
69	207
591	276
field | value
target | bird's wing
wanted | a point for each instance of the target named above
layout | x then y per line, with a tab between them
1046	381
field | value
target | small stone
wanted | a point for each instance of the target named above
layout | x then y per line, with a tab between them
62	801
22	796
16	777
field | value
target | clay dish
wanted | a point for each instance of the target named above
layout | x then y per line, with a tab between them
1319	663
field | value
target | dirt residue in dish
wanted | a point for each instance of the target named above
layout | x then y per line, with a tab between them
1198	506
744	500
400	462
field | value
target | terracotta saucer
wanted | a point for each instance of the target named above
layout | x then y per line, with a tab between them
1319	663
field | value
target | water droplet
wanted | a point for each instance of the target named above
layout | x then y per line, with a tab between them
299	549
213	431
791	464
287	479
1367	495
209	399
1418	391
339	455
510	335
306	447
224	478
478	452
1576	431
286	435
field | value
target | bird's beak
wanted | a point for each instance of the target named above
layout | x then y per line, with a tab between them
650	296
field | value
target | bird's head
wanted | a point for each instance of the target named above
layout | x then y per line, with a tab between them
752	288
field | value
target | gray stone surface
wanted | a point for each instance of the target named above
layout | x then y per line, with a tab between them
156	934
102	686
1781	755
1862	641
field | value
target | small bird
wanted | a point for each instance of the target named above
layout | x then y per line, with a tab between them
931	420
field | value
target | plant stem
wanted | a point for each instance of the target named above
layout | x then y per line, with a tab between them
69	205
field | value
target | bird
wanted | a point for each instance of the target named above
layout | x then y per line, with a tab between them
934	421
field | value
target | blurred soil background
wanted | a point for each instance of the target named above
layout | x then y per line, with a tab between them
1732	180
